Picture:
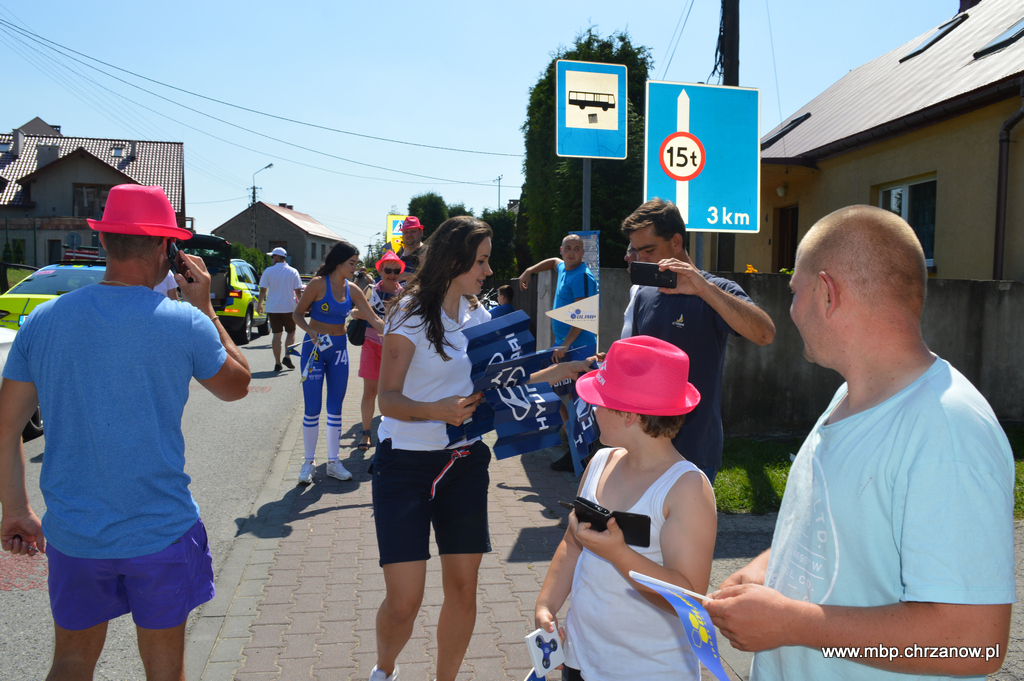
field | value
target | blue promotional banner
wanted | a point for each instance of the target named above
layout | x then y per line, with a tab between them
489	332
696	621
510	347
518	371
526	418
582	430
577	352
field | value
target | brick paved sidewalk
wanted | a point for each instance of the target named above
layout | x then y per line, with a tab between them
308	591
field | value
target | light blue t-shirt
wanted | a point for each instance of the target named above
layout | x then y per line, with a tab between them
576	283
112	366
911	500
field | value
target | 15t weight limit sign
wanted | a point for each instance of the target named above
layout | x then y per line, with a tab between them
682	156
702	152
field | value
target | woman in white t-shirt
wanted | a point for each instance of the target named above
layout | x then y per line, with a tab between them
424	385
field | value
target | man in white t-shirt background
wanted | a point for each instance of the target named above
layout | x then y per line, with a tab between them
281	287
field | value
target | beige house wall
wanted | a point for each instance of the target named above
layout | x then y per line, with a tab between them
962	154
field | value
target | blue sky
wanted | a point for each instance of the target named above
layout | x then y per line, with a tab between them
452	75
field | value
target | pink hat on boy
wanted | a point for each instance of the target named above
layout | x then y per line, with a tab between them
642	375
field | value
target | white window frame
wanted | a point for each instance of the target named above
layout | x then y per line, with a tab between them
905	185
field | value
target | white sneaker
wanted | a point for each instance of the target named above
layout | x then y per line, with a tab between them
378	675
336	470
306	474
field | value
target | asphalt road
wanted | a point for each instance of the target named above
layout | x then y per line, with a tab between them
229	449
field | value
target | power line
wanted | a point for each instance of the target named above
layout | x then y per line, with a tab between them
678	37
262	113
254	132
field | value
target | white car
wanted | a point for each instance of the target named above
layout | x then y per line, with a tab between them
34	428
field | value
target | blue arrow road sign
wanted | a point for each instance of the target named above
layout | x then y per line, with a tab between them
702	153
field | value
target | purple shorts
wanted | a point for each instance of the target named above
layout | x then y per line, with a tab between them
159	589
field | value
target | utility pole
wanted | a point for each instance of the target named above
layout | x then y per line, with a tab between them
729	46
499	191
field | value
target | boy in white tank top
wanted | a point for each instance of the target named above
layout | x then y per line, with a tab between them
617	629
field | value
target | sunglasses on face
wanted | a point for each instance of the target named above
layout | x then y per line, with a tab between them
388	270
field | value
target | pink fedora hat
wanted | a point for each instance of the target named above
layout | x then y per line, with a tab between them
135	209
642	375
389	256
411	222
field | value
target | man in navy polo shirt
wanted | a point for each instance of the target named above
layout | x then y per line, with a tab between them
697	316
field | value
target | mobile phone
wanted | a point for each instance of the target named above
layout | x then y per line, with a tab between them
636	527
648	274
173	255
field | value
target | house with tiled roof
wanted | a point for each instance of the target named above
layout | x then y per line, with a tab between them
50	184
926	131
267	226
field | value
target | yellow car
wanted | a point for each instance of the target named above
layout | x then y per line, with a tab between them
45	284
234	286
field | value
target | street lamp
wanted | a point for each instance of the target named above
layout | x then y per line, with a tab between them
369	245
269	165
253	204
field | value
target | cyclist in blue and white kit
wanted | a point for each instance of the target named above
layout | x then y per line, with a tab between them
325	352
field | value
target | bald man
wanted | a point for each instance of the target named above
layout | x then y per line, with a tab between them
896	527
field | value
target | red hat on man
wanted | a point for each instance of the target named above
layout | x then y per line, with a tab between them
411	222
389	256
136	209
641	375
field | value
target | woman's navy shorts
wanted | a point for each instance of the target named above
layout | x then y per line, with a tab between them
403	510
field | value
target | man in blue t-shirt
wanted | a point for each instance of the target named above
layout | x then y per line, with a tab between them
109	366
894	541
698	316
575	282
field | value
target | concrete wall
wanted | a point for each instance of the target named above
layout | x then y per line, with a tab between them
37	232
962	154
773	389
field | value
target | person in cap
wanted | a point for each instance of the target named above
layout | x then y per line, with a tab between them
390	267
413	249
329	298
895	534
281	288
617	629
698	316
110	365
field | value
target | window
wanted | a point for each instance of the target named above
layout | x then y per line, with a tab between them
940	33
117	152
89	200
915	203
5	146
1004	39
312	252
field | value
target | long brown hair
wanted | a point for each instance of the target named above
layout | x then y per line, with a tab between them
450	252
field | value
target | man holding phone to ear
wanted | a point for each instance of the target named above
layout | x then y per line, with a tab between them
110	365
697	316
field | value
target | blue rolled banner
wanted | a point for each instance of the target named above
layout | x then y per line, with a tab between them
526	418
582	430
700	633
